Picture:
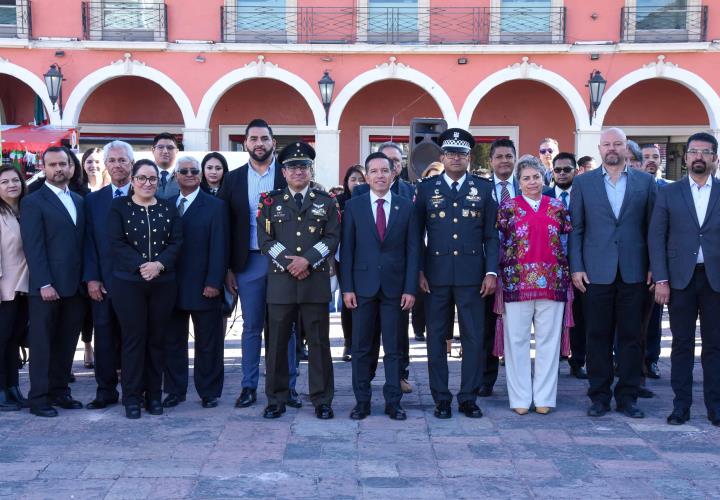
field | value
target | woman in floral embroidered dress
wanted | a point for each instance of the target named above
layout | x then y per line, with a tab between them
535	286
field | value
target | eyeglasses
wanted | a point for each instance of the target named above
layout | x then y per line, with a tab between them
142	179
563	170
119	161
456	155
295	168
544	151
188	171
704	152
162	146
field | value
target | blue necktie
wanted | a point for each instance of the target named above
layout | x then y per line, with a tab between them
118	193
564	198
163	178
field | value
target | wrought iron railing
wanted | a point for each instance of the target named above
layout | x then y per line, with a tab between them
15	20
391	25
663	24
124	21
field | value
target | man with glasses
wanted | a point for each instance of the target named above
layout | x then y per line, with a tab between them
298	229
97	272
165	149
547	150
200	274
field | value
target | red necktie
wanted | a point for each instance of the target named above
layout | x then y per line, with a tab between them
380	219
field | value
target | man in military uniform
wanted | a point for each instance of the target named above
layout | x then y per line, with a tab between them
298	229
459	267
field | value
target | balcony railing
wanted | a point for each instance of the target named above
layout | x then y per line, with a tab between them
392	25
124	21
664	24
15	20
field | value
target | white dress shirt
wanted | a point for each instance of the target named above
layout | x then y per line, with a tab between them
701	197
534	204
123	189
559	191
303	192
190	198
66	200
498	188
386	205
449	181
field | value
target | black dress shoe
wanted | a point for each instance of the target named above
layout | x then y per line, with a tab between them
715	421
247	397
652	370
420	337
630	410
44	411
132	411
294	400
209	402
72	378
442	410
173	400
678	417
66	403
645	393
470	409
14	394
98	404
154	406
346	354
303	353
578	372
361	410
395	411
324	412
485	391
273	411
7	403
598	409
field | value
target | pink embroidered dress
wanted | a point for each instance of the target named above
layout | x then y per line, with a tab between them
533	264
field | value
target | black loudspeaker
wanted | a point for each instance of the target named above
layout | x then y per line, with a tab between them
424	147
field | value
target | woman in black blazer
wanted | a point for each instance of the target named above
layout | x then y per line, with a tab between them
213	168
145	237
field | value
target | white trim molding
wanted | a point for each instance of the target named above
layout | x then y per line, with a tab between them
34	82
124	67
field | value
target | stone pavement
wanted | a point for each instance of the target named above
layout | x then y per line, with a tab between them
235	453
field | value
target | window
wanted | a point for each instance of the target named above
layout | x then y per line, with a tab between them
129	20
527	21
261	16
14	19
664	21
661	14
392	21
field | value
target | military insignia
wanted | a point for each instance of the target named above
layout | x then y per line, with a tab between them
437	191
473	191
318	210
437	183
278	208
473	213
396	207
312	229
432	216
465	213
312	195
286	197
456	135
267	226
442	214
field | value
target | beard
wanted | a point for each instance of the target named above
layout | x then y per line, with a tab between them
564	185
699	167
612	159
260	158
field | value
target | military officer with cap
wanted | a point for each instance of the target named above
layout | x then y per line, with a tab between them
299	230
459	266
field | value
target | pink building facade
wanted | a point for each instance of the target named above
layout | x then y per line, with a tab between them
500	68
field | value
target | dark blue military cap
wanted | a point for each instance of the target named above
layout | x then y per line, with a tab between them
456	140
297	152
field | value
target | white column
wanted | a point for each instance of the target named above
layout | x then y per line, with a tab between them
586	143
327	157
196	139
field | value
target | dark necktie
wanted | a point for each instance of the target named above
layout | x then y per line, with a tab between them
504	193
163	179
564	198
380	219
298	200
118	193
181	206
454	188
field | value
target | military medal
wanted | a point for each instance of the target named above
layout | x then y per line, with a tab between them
442	214
312	229
473	191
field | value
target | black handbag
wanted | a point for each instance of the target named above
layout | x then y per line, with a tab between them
229	302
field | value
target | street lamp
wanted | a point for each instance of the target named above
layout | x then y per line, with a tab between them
53	82
597	88
327	87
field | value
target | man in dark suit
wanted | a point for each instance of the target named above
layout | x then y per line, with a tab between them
165	150
685	258
247	274
200	274
97	272
459	268
52	228
610	209
381	273
564	171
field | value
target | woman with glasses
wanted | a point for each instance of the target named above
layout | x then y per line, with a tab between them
145	237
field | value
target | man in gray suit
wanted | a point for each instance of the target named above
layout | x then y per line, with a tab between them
685	258
610	209
165	150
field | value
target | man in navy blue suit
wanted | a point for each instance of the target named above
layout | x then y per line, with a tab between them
200	275
380	263
97	272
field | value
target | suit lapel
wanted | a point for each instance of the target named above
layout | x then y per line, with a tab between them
628	191
55	201
367	214
393	215
687	196
601	192
714	194
196	205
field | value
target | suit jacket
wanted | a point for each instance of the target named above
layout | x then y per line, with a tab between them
399	188
53	244
234	192
171	188
600	243
13	266
676	235
203	254
98	260
367	264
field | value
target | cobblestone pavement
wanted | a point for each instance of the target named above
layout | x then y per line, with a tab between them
235	453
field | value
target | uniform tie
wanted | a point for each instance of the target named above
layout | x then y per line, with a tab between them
181	206
454	188
564	198
380	222
163	179
504	193
118	193
298	200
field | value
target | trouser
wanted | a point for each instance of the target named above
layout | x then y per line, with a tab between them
13	321
87	325
524	386
370	311
492	363
208	362
145	313
108	341
316	324
654	335
52	339
471	313
578	340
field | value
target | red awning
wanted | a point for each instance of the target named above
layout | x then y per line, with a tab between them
34	139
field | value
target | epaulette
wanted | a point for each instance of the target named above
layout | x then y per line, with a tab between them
321	192
480	178
274	192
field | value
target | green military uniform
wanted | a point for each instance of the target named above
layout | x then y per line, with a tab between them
312	232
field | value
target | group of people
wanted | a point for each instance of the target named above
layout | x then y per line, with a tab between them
584	262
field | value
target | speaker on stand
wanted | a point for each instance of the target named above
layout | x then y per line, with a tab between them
424	147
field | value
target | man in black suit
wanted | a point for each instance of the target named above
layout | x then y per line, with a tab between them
381	273
685	258
52	228
200	274
97	272
165	150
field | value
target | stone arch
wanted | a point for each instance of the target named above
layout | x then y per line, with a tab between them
34	82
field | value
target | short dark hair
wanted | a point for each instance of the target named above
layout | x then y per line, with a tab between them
565	156
502	143
705	137
649	146
375	156
4	207
165	135
58	149
259	123
144	163
584	159
354	169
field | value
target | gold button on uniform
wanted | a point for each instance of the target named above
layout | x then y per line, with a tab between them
299	218
455	236
455	252
455	220
299	249
455	204
298	233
